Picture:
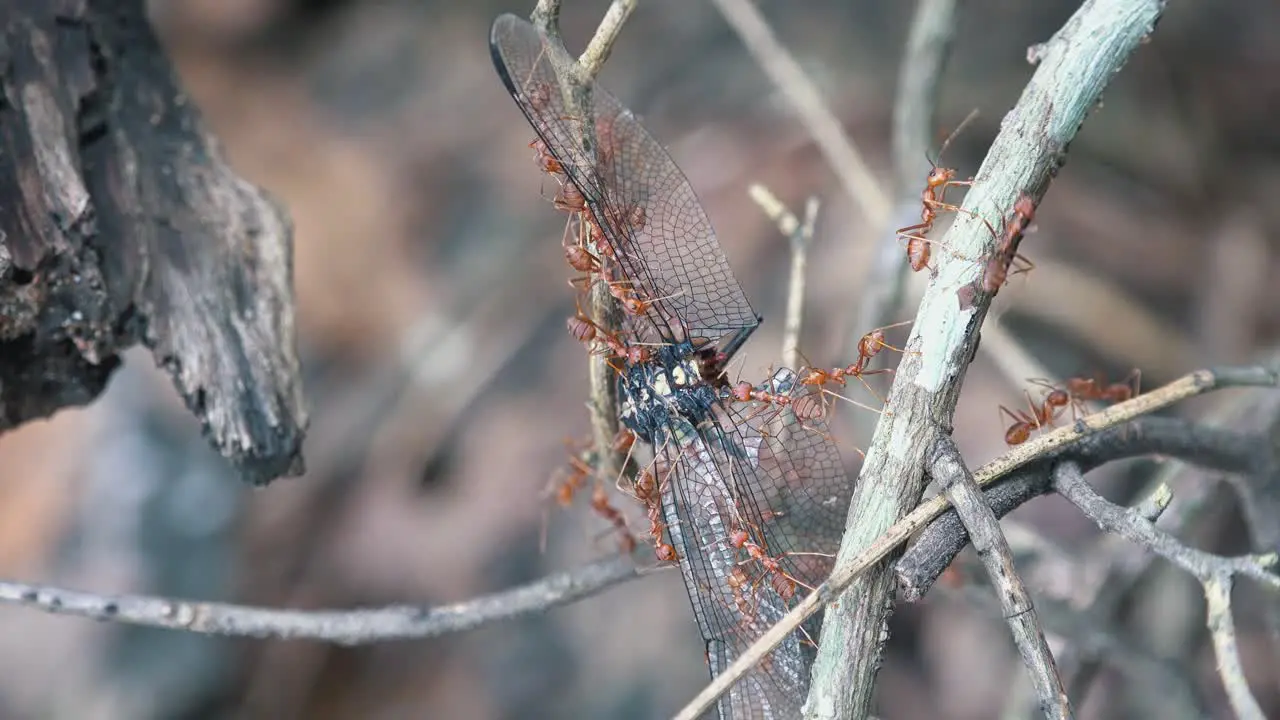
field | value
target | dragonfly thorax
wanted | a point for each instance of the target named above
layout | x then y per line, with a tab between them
668	390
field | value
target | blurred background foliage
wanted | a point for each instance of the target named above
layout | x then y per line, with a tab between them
431	298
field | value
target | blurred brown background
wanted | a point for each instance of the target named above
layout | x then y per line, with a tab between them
431	299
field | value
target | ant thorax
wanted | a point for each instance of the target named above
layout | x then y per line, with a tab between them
655	395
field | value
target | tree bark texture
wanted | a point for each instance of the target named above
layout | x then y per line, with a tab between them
121	223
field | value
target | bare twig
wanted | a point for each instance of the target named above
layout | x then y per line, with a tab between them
344	627
1217	594
843	156
1215	573
929	41
928	48
948	470
601	43
1121	564
1114	575
800	236
892	537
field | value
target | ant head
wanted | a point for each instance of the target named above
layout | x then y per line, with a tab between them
940	176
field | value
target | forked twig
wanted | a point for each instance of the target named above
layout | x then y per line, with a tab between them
928	48
604	309
1217	575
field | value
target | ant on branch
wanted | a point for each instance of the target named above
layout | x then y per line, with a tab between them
996	273
1097	389
585	330
1077	391
1041	415
932	200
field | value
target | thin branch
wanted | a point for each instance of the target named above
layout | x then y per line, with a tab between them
929	41
1215	573
344	627
948	469
800	236
601	43
783	70
1217	593
1070	483
892	537
928	49
1122	564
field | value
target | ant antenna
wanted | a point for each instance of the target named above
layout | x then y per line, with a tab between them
968	119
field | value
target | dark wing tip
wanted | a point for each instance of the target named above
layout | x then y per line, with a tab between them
503	27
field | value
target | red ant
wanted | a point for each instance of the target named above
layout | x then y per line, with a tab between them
576	477
1041	415
648	492
547	162
623	291
932	199
869	345
1097	389
782	582
585	330
997	270
602	507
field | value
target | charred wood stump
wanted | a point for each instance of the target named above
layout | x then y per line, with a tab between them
121	223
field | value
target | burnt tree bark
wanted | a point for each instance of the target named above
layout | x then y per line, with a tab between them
121	223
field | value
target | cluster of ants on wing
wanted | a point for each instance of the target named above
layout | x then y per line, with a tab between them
587	253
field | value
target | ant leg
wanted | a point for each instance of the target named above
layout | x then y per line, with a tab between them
1024	264
1018	416
1135	379
939	205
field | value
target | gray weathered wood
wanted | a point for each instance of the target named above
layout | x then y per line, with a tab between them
122	224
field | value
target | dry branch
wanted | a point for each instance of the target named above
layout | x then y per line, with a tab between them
799	236
121	223
603	308
928	48
948	470
343	627
785	73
